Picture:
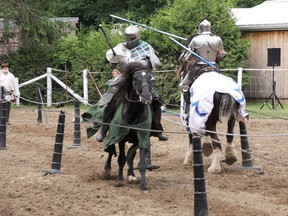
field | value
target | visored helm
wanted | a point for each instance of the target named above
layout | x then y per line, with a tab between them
205	27
132	35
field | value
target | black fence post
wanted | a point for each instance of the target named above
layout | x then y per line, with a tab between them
58	147
1	97
3	124
247	162
39	99
200	198
77	126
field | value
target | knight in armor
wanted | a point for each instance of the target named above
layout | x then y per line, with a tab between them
133	50
206	45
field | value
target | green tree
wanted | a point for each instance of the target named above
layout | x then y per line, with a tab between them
43	45
36	35
92	13
31	19
86	51
182	18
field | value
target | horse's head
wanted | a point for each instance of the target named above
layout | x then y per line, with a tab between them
137	72
142	83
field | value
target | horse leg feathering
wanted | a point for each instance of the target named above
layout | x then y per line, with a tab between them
230	154
189	153
215	166
224	106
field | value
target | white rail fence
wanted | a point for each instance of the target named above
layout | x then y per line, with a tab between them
253	90
50	76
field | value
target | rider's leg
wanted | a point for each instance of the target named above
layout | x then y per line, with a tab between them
185	83
156	124
107	117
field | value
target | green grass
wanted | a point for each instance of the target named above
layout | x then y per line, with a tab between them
253	108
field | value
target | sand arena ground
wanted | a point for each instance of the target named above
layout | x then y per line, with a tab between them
26	190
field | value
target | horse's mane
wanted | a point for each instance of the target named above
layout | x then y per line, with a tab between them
132	67
129	69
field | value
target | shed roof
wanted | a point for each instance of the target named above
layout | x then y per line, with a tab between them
270	15
65	19
62	19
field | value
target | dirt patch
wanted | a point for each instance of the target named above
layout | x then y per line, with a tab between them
80	190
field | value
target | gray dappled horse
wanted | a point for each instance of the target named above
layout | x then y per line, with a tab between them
133	111
225	102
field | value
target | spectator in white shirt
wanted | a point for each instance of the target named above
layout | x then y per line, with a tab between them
10	85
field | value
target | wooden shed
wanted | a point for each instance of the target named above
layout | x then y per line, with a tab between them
10	46
266	26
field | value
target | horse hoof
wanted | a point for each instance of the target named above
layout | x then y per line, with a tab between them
152	167
132	179
187	163
231	160
106	175
207	149
119	184
214	170
144	187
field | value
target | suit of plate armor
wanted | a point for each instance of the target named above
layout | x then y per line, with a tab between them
133	50
205	45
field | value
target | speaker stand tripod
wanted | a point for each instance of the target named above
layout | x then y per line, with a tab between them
272	96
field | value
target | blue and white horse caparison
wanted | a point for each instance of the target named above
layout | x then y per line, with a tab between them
213	97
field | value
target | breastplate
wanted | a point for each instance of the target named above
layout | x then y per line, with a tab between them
141	51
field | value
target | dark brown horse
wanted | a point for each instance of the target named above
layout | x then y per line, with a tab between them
132	123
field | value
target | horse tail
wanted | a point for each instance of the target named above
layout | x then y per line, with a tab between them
227	107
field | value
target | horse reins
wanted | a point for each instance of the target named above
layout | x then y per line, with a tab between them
133	101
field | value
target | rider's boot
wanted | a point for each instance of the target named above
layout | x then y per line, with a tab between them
102	133
162	137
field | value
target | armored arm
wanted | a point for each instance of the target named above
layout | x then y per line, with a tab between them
114	56
185	56
221	54
153	58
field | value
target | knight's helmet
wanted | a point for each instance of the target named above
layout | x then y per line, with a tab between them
132	35
205	27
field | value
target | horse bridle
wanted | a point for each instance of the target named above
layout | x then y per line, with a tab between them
136	89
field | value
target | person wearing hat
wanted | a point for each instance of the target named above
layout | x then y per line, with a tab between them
9	83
